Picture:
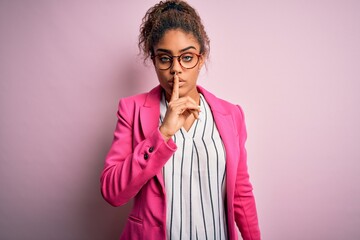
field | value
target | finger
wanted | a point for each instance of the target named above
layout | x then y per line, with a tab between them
188	101
196	114
175	92
180	107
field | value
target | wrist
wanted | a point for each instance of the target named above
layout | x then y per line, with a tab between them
164	134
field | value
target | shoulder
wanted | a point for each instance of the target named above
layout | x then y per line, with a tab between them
128	105
134	99
142	99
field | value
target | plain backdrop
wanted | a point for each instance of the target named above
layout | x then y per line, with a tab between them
293	65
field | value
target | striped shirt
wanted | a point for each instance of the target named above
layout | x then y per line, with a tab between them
195	180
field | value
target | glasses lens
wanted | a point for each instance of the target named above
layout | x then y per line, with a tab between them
163	62
188	60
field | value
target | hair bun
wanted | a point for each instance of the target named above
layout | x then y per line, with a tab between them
174	6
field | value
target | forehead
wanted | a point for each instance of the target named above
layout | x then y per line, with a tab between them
176	40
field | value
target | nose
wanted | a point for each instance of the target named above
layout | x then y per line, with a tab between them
176	67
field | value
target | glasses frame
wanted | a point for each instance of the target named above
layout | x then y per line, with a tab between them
178	58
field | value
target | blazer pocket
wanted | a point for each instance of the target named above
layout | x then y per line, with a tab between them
134	229
135	219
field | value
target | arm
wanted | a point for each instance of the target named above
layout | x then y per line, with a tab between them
128	168
244	202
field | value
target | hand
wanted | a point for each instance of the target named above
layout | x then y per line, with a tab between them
179	109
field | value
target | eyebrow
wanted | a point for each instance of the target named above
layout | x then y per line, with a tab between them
170	52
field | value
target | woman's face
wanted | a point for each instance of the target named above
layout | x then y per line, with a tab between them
175	43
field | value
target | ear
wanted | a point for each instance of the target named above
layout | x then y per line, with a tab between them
201	61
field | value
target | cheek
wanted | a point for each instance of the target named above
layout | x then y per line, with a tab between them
161	76
194	75
163	79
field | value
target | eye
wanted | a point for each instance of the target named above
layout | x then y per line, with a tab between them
187	57
164	59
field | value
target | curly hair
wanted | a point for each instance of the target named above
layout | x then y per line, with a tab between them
168	15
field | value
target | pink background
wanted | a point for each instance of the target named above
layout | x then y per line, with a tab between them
294	66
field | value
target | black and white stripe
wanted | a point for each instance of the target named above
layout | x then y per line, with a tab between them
195	180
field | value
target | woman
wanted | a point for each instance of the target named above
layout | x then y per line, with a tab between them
178	150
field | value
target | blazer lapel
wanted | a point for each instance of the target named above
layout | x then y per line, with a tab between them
149	119
150	111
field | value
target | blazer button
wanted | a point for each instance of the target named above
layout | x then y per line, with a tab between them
151	149
146	156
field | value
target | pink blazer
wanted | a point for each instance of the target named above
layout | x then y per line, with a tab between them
138	153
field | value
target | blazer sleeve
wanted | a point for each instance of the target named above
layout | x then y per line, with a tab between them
127	167
244	201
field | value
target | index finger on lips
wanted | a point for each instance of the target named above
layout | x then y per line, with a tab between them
175	91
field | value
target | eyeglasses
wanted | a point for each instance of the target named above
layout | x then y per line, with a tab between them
186	60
